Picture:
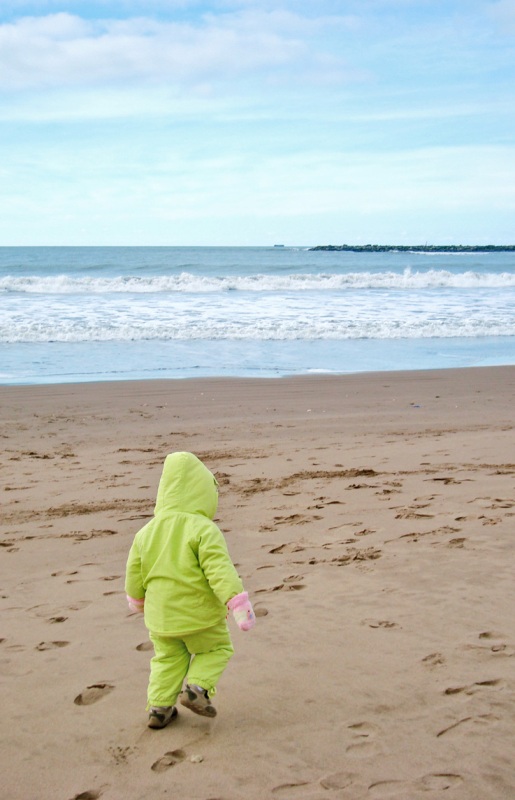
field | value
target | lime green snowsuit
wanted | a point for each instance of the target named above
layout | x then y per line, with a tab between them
180	564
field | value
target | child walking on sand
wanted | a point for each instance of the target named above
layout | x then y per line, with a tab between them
180	574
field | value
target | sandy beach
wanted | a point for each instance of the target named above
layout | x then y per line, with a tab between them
371	518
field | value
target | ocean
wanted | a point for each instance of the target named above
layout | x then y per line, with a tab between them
74	314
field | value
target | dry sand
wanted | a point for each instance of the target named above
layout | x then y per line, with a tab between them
372	520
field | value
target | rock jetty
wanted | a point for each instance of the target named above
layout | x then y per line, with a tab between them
418	248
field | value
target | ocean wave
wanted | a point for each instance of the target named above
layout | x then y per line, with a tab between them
186	282
257	330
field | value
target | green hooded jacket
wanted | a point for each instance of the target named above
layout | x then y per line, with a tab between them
179	561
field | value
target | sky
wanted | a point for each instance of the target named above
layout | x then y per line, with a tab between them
251	122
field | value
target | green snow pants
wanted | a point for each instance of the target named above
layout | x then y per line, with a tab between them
199	657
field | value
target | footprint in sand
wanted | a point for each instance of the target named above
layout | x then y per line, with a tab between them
504	649
472	724
63	572
282	587
490	520
338	780
289	789
90	795
389	790
288	547
490	635
277	588
9	547
120	755
363	736
501	503
169	759
368	554
50	645
495	645
459	542
79	605
500	649
56	615
380	623
498	645
473	687
410	514
295	790
434	660
92	694
437	782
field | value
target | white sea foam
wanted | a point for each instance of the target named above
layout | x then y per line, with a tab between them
107	312
186	282
257	330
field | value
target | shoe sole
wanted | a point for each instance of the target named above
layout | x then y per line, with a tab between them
198	705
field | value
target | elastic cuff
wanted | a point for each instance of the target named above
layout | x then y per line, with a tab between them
162	703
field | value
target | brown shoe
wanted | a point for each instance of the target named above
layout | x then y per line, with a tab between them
160	716
197	700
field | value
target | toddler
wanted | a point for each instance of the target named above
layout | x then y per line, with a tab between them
180	574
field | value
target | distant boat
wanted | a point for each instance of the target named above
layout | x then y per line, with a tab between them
278	245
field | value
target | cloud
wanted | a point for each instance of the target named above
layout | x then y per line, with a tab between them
66	50
272	112
93	7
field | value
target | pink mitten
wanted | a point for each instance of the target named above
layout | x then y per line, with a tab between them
243	612
136	604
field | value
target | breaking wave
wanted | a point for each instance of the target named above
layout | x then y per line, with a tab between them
186	282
